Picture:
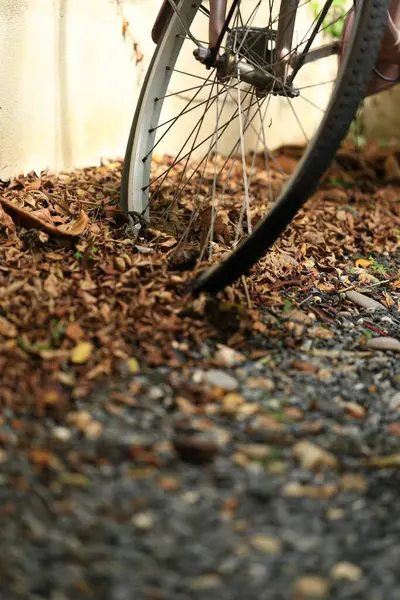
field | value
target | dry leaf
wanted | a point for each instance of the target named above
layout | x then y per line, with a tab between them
7	329
77	227
133	366
362	262
28	220
6	222
74	332
81	353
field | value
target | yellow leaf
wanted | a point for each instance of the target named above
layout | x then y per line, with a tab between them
133	366
326	287
395	284
362	262
81	353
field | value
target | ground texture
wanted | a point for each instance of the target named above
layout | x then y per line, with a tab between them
157	447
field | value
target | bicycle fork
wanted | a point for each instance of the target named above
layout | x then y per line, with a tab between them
248	46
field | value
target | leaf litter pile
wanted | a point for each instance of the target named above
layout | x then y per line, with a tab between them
286	385
84	296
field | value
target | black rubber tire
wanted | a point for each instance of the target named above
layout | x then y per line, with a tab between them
354	77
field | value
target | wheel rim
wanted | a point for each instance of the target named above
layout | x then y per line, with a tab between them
218	159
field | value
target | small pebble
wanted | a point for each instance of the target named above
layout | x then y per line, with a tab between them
80	418
255	451
93	430
263	383
63	434
156	393
335	514
277	467
219	378
354	410
228	357
143	520
196	448
314	458
353	482
293	489
346	570
394	402
394	429
311	586
267	544
205	582
231	403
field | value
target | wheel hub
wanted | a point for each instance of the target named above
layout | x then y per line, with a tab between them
250	56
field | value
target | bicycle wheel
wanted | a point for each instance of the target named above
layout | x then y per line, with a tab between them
200	136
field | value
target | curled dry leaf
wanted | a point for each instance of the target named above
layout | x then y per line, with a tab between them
29	220
77	227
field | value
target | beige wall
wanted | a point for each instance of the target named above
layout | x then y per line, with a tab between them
68	84
381	117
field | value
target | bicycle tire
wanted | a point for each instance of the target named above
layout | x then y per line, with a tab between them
352	82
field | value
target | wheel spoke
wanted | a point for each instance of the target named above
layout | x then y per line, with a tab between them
246	203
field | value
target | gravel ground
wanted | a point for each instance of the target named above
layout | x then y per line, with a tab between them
273	475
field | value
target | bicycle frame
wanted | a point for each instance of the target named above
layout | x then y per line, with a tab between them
387	69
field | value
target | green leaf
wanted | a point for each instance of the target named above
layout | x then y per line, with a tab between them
339	183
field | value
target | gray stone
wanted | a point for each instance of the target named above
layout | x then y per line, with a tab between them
221	379
394	402
364	301
384	343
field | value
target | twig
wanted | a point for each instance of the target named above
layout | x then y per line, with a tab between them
379	283
305	300
246	291
126	32
363	289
